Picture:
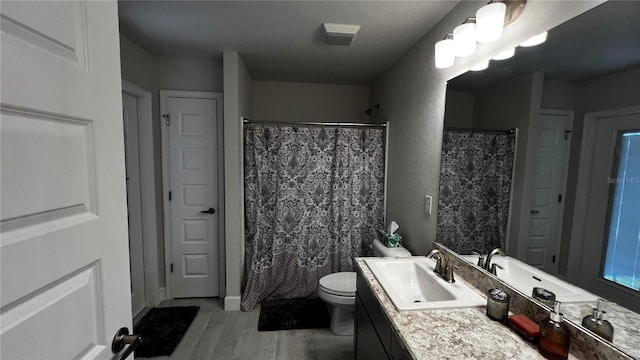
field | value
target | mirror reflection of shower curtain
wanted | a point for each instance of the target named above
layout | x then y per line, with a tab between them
475	187
314	197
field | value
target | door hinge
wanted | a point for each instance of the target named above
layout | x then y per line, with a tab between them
166	119
169	195
559	197
553	259
566	134
172	268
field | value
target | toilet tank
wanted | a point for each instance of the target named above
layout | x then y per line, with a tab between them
379	250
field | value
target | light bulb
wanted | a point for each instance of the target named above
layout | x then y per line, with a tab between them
444	53
490	22
480	66
535	40
505	54
464	39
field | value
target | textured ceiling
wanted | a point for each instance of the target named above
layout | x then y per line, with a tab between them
280	40
603	40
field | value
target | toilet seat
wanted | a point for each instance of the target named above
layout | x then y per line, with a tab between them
339	284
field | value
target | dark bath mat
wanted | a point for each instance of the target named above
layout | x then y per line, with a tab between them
293	314
162	329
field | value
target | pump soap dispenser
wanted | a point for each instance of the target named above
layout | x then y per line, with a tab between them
554	336
598	323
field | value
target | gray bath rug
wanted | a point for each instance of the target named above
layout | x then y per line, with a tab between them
162	329
293	314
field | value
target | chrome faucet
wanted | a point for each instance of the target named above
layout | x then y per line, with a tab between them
442	268
441	260
487	262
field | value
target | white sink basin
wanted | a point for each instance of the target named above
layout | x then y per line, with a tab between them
411	284
525	277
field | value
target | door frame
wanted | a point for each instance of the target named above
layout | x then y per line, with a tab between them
563	187
166	182
583	185
152	292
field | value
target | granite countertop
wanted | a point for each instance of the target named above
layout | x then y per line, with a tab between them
626	328
450	334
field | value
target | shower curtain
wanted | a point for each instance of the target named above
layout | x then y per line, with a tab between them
475	186
313	201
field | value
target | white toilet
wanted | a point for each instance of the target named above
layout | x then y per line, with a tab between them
338	290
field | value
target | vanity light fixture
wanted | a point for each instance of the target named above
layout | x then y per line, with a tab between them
535	40
490	22
480	66
444	52
486	27
464	38
493	17
505	54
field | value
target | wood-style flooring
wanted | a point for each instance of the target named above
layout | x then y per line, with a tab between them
233	335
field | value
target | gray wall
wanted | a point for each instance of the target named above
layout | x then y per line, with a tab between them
412	98
459	109
558	94
289	101
154	73
246	97
188	73
237	104
137	65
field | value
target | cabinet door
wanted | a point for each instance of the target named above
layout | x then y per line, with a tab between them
376	315
367	343
397	351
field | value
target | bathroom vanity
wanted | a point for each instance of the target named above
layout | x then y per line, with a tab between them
383	332
374	337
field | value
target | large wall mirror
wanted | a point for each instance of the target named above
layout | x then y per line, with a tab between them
574	202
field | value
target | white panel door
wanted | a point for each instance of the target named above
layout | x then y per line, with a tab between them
194	202
64	255
551	157
134	203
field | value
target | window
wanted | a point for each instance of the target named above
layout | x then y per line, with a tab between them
622	262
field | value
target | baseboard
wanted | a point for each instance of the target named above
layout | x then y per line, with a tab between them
161	295
232	303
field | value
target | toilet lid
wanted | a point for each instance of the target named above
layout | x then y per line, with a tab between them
342	283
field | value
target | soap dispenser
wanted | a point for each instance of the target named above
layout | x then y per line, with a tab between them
598	323
554	336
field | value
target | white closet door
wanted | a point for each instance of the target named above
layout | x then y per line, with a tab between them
194	202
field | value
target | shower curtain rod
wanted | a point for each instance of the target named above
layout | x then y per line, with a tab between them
271	122
509	131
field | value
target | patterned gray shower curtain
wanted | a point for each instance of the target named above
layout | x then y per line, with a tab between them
313	201
475	186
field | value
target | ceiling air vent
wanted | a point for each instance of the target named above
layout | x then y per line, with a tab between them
339	34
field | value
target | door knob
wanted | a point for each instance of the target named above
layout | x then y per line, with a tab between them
122	339
210	211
